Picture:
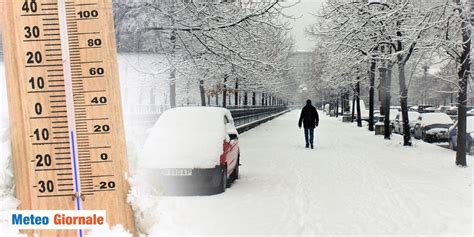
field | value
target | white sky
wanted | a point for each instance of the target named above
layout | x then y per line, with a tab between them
303	11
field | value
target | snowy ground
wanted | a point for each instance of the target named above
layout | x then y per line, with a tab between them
342	187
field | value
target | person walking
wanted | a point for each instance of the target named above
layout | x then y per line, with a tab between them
309	118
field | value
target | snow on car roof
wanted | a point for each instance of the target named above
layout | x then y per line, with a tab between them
196	117
435	118
187	137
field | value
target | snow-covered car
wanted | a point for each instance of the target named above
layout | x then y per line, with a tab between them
453	135
422	108
453	110
193	150
432	127
442	109
398	125
429	110
470	112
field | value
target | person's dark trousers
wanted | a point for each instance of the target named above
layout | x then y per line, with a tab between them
309	136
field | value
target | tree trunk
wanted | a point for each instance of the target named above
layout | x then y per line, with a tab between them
372	94
224	94
343	103
359	116
337	108
404	104
347	106
217	99
203	93
254	99
387	99
173	88
353	106
463	75
246	96
236	99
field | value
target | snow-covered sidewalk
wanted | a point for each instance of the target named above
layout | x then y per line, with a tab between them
352	183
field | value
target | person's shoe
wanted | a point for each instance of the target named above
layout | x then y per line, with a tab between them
307	145
312	147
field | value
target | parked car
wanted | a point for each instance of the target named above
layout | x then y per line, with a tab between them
470	112
422	108
432	127
193	150
412	117
442	109
453	110
429	110
453	135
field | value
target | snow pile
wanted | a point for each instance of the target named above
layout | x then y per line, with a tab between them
144	198
189	137
435	118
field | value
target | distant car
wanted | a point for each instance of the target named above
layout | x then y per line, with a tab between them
453	110
453	135
193	150
470	112
429	110
398	125
413	108
432	127
422	108
442	109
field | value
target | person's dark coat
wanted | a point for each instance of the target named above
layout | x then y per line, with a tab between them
309	116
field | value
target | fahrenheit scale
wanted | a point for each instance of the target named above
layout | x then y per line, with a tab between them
66	122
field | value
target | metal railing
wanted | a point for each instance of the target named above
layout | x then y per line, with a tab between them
246	115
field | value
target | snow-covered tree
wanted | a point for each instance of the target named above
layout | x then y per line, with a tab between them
219	43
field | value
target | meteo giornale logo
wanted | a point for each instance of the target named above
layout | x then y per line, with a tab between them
58	219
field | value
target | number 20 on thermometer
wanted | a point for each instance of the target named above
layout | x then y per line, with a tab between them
66	122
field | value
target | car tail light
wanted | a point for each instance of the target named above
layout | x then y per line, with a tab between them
222	160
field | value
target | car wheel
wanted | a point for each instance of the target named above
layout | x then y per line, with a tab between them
224	184
425	138
451	145
235	174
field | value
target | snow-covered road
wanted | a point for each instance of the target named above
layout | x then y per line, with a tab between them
352	183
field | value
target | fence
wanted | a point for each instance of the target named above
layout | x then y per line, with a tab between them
245	117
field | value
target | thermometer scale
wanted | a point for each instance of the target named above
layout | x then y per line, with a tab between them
67	131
